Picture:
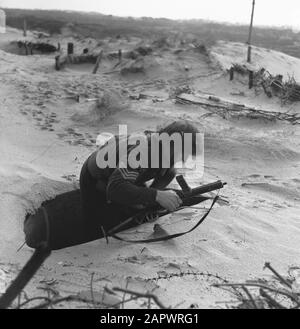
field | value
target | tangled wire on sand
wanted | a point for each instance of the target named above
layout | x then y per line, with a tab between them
282	293
273	85
279	293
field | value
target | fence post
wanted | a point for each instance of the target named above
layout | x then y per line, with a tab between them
70	48
25	28
231	73
98	62
26	48
251	79
57	62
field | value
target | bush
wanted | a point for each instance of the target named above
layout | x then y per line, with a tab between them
107	104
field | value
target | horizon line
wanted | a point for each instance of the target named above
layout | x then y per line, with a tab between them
292	27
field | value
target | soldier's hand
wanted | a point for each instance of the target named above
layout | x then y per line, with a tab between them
168	200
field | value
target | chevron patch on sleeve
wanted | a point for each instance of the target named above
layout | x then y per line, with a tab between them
128	174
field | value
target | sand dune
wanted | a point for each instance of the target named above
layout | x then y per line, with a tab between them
275	62
45	136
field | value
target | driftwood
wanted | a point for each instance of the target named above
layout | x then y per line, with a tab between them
223	108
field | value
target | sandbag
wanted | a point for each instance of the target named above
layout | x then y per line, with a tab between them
60	224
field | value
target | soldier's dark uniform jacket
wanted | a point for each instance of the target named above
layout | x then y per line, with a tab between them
103	188
126	185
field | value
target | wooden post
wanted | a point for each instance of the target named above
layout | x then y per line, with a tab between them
57	62
249	57
26	48
251	79
25	28
250	34
98	62
30	48
120	55
70	48
231	73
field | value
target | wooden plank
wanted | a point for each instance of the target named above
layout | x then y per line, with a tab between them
98	62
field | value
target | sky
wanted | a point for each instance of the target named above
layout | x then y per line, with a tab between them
267	12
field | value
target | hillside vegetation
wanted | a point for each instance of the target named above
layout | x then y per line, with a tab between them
96	25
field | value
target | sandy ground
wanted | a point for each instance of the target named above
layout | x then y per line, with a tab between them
273	61
45	138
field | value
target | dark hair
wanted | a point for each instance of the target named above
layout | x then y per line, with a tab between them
182	127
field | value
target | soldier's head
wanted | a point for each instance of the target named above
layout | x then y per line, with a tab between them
183	138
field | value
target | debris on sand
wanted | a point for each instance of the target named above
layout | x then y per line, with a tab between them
33	47
62	61
176	91
141	96
272	85
240	69
144	50
280	293
290	91
225	108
